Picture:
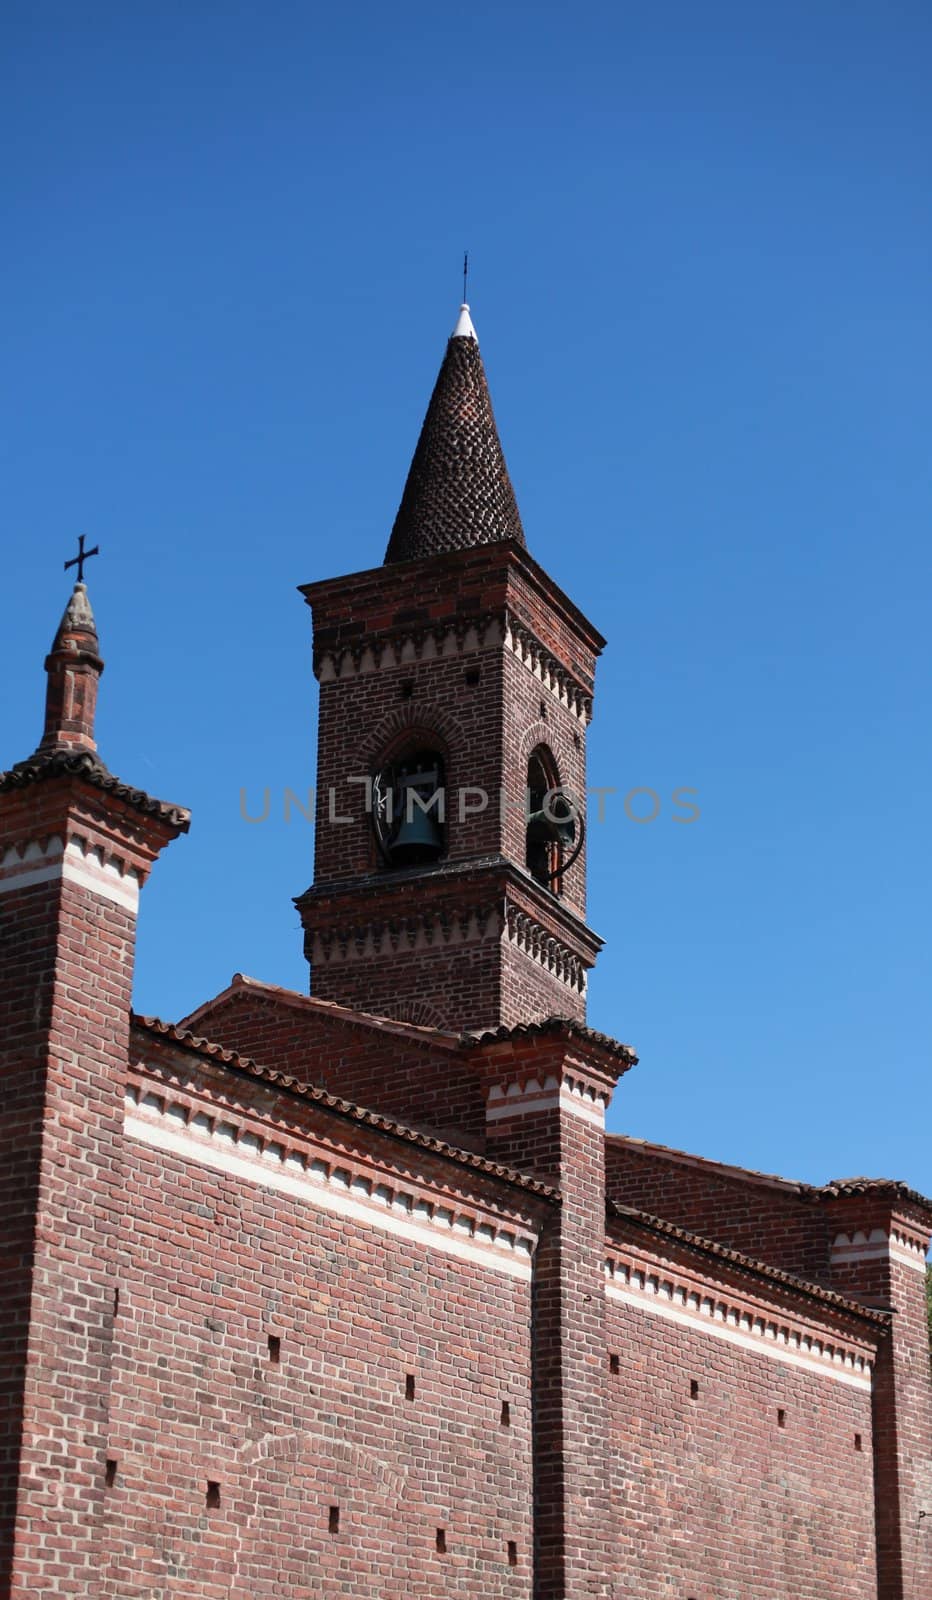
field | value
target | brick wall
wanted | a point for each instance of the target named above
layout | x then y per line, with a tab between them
380	1408
734	1475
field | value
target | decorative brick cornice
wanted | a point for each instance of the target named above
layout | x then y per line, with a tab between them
424	931
383	649
543	665
742	1263
443	929
535	941
741	1317
234	1144
399	646
450	890
312	1095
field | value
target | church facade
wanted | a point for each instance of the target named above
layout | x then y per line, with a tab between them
350	1292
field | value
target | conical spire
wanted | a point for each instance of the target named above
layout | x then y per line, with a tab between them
458	491
74	667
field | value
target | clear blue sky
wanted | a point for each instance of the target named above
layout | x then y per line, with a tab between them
701	249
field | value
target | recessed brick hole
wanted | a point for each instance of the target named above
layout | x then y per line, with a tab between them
512	1553
275	1349
472	676
116	1301
213	1496
694	1389
110	1474
409	1385
333	1522
781	1418
858	1442
441	1541
614	1362
543	710
576	740
506	1414
407	690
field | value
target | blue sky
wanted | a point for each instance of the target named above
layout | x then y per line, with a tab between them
700	242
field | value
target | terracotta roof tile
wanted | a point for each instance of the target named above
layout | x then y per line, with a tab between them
564	1027
85	764
883	1186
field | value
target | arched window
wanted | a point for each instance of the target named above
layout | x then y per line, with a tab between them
553	835
409	807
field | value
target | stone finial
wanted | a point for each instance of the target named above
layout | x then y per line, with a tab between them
74	667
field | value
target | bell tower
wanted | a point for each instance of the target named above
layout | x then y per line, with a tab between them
456	685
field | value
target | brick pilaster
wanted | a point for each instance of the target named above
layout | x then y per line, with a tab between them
545	1113
878	1252
72	859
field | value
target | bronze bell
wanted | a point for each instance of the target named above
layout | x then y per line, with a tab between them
544	828
418	838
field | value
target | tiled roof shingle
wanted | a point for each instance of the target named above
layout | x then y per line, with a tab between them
458	491
69	762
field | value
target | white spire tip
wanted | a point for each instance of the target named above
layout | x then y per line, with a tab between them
464	328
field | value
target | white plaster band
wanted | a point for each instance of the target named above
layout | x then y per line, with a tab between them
53	865
564	1100
497	1256
878	1252
907	1259
758	1345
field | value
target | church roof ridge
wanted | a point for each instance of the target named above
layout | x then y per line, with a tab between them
241	984
806	1191
458	491
347	1109
728	1169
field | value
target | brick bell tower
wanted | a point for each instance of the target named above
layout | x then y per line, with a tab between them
456	685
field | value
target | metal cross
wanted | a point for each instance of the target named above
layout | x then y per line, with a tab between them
465	274
82	556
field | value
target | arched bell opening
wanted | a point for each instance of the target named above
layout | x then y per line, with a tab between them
409	806
553	836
